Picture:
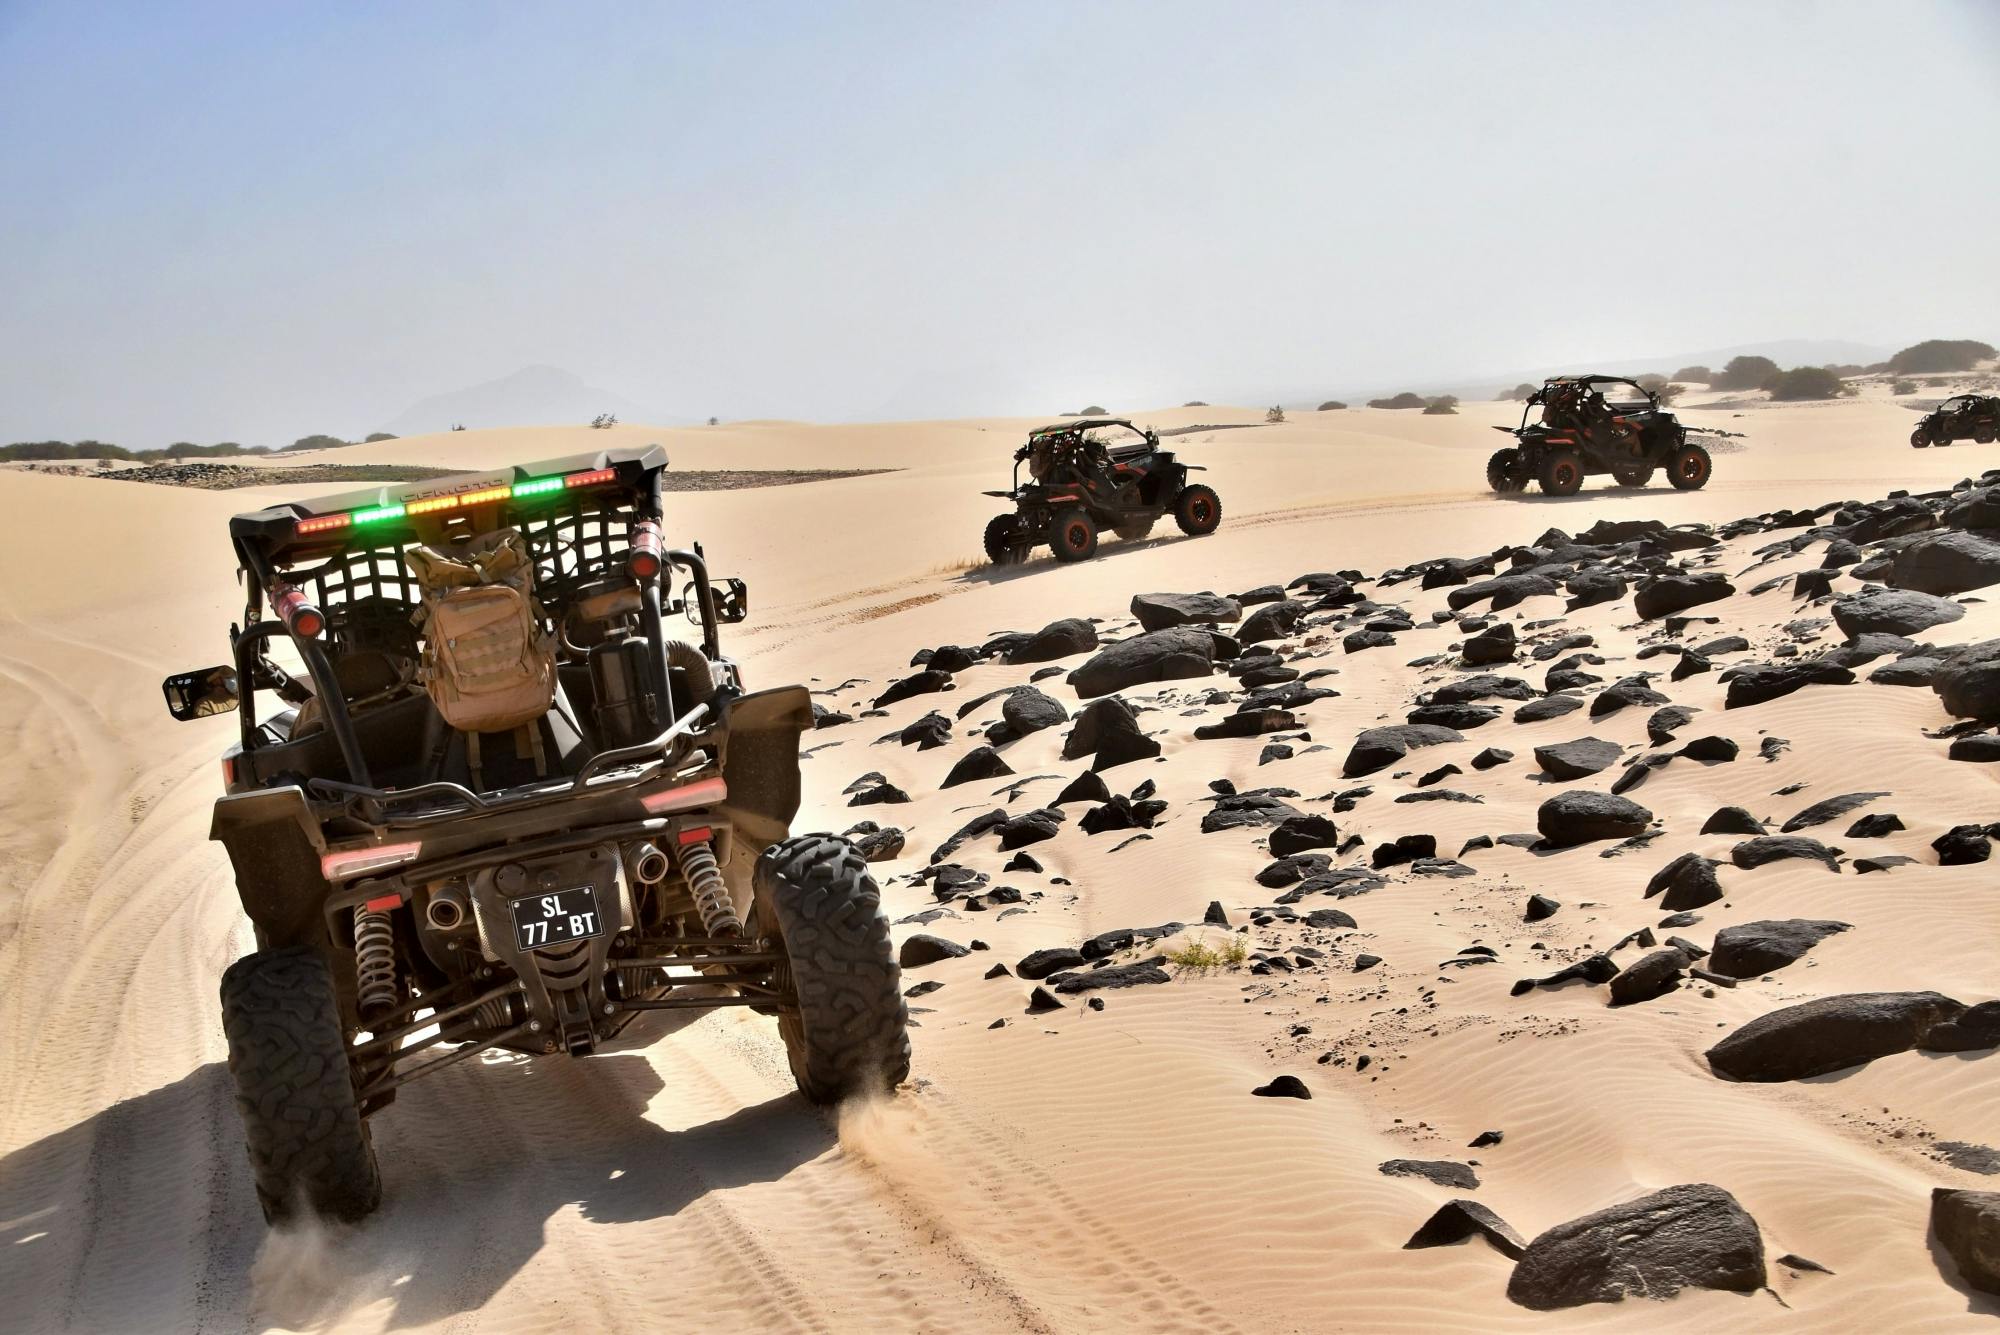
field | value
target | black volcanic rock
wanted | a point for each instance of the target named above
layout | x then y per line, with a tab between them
1829	1034
1688	1237
1580	816
1378	748
1754	948
1578	759
1159	655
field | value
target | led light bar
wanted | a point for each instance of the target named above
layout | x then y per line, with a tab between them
461	501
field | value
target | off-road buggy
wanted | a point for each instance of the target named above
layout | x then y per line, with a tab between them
493	805
1595	424
1088	475
1960	417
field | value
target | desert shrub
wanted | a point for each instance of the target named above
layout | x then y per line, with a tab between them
715	421
1807	382
1333	406
1701	375
1518	393
1194	403
458	426
1746	373
374	436
104	464
1094	410
1845	369
1670	391
1439	408
1940	354
1274	414
604	421
317	443
1903	387
1403	400
1199	956
1650	381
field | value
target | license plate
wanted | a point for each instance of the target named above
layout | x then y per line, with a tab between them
551	919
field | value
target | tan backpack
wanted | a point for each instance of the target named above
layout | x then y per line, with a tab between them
487	663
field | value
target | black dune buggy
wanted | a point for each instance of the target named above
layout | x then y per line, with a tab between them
422	894
1084	478
1596	424
1961	417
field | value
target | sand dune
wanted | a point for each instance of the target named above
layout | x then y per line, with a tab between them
1074	1170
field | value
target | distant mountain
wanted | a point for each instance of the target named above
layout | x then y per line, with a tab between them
532	396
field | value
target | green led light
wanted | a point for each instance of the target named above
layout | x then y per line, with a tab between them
378	514
538	486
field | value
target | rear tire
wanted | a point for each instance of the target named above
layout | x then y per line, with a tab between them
1984	437
1633	475
1136	531
1003	540
1197	510
1075	536
1503	472
310	1152
1689	468
1562	473
847	1032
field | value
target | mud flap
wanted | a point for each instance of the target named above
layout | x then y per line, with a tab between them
274	845
760	760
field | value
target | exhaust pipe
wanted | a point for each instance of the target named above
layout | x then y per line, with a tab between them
649	865
447	910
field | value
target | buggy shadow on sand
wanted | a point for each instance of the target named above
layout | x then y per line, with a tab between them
1092	474
1594	424
500	808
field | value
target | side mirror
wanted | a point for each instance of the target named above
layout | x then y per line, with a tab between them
731	597
192	695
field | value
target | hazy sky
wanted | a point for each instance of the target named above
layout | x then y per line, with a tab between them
253	221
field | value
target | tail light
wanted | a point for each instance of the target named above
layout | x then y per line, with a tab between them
705	792
301	618
350	863
644	561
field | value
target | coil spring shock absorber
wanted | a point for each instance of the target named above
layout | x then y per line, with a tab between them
374	960
711	896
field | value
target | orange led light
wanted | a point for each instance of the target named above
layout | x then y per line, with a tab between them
590	479
435	503
487	494
322	524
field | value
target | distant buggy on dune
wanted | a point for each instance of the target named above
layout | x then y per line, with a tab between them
1596	424
481	798
1088	475
1974	417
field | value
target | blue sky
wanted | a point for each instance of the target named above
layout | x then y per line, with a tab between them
254	221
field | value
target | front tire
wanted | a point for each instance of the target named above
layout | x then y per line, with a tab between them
1984	436
310	1152
1503	472
1919	439
1075	537
1689	468
1197	510
1562	473
846	1030
1136	531
1003	540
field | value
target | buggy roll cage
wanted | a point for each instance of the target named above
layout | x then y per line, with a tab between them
276	545
1076	429
1587	383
